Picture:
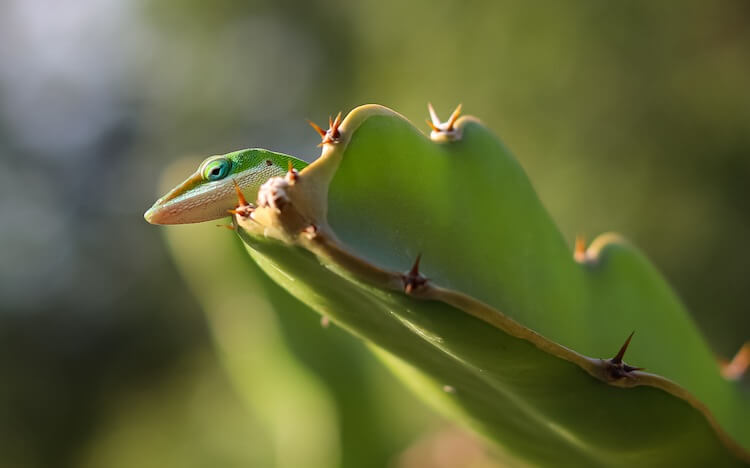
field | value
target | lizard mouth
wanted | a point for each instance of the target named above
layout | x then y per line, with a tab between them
195	200
190	202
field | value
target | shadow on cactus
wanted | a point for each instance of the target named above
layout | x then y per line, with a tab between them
498	324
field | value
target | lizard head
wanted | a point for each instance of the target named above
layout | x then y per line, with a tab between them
209	192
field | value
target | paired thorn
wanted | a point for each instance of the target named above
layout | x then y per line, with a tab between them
331	135
443	131
413	279
438	126
616	367
579	253
739	365
243	208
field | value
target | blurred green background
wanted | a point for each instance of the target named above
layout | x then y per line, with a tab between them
628	116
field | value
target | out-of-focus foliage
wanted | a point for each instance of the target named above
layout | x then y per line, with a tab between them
632	117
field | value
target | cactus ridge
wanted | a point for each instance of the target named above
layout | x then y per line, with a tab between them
485	311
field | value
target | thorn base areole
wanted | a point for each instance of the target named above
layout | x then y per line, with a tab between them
413	279
443	131
332	135
243	208
616	367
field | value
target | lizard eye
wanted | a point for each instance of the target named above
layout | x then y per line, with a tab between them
216	169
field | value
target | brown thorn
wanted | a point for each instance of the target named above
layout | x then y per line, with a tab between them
240	196
332	134
615	368
228	226
628	368
334	128
317	129
454	116
621	353
413	279
579	253
738	366
415	268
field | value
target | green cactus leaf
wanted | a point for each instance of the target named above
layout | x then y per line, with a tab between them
500	324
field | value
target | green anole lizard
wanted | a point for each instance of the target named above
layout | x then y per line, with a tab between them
209	192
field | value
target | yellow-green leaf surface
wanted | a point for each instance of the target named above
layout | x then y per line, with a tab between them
509	329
